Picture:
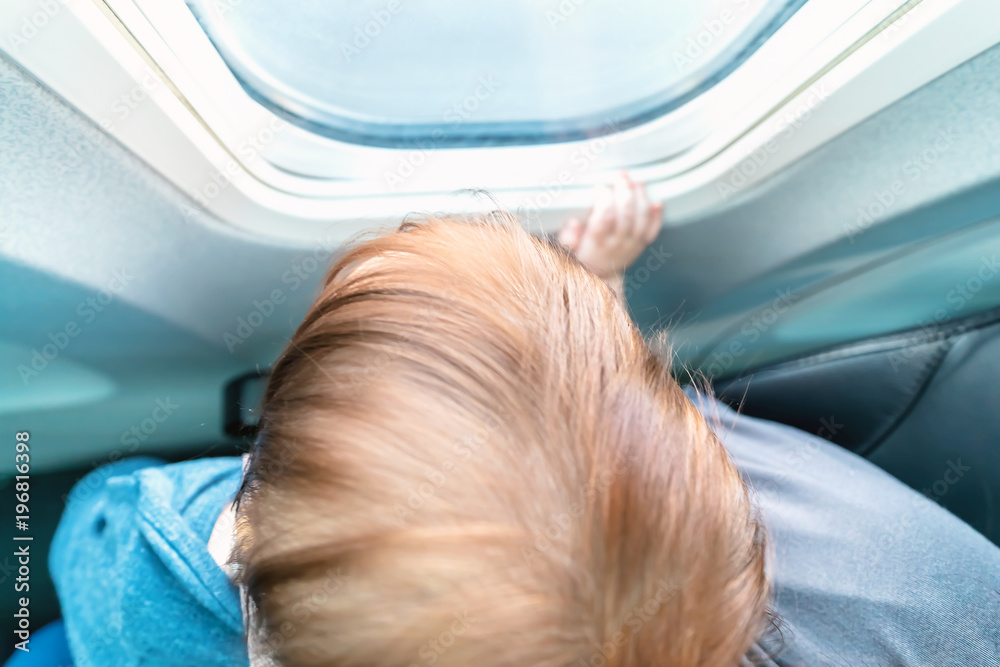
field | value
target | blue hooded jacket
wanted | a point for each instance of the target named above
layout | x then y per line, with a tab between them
134	577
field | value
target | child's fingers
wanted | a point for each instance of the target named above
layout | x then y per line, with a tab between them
602	218
625	208
654	222
571	234
642	209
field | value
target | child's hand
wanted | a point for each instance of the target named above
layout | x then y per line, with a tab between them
620	226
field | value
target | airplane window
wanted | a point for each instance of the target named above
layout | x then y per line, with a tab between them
511	72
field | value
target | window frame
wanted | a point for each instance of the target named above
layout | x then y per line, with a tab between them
198	125
205	80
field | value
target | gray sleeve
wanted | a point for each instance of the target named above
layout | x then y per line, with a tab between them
866	570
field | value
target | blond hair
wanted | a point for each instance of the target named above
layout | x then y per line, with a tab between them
470	456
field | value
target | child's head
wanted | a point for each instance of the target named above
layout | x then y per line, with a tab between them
469	456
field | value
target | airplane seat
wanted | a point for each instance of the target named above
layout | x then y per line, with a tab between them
923	404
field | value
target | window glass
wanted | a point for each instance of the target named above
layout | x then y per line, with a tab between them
398	72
